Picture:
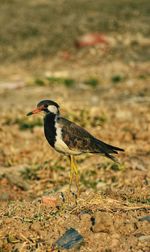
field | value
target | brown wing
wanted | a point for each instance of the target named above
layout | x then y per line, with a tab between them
75	137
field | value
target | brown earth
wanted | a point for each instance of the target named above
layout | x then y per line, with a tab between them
117	196
104	89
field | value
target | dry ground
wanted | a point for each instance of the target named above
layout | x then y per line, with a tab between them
106	90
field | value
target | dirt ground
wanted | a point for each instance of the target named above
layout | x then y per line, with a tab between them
105	89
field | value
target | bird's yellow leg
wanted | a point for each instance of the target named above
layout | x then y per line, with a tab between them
76	172
71	172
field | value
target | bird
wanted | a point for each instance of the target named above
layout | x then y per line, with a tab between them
70	139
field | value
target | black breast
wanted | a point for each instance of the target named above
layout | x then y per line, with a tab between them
49	128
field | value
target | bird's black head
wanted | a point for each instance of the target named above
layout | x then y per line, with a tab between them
46	106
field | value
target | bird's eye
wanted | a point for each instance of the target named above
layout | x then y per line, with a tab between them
45	105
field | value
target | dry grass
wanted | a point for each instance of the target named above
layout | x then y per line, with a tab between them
105	91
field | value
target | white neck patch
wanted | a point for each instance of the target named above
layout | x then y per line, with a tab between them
53	109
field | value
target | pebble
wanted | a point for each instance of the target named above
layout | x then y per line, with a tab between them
70	239
50	201
36	226
145	218
144	238
101	186
103	223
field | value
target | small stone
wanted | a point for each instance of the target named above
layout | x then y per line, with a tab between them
115	240
50	201
70	239
145	218
36	226
144	238
103	223
101	186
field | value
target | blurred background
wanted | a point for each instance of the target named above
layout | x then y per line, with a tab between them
92	58
40	35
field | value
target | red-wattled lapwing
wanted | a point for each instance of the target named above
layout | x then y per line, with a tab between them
70	139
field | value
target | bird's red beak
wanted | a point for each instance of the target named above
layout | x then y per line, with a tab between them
35	111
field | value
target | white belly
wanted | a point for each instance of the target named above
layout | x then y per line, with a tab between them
60	145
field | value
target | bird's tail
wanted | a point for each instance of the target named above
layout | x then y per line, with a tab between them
107	149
